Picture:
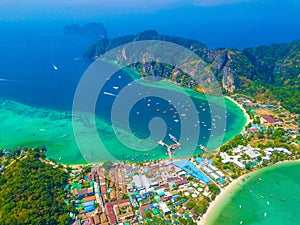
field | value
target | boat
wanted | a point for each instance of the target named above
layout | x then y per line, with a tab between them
176	121
115	87
54	67
172	137
241	222
64	135
108	93
260	178
265	214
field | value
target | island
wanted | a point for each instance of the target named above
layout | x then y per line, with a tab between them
263	81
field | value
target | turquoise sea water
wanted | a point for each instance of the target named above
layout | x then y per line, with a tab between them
28	126
269	196
36	102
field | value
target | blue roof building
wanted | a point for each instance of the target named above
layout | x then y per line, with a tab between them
192	170
199	160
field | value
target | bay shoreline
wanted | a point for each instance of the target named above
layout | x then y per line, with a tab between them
215	205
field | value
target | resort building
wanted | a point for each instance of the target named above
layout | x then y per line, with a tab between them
212	171
192	170
232	159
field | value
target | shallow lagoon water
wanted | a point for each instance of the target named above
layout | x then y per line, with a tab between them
36	102
269	196
28	126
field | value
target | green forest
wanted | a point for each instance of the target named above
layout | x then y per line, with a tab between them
269	72
32	192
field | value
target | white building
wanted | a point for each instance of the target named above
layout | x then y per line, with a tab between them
163	206
215	176
220	174
253	154
141	182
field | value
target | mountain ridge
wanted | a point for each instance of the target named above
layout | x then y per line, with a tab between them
273	69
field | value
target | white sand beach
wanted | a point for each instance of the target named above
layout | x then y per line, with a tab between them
224	192
242	108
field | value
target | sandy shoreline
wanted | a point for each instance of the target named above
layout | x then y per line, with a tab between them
248	120
225	191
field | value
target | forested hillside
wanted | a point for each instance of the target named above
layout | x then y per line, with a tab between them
269	72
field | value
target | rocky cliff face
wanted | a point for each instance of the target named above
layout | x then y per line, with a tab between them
236	70
227	65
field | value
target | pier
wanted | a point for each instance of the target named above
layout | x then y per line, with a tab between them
170	147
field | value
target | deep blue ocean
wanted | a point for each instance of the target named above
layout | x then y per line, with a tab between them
28	56
41	67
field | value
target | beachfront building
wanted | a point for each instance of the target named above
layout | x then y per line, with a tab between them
283	150
212	171
232	159
270	151
192	170
253	154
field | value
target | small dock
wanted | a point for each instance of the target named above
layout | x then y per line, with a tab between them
170	147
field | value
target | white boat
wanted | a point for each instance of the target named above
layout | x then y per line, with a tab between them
116	87
108	93
172	137
176	121
54	67
241	222
64	135
265	214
